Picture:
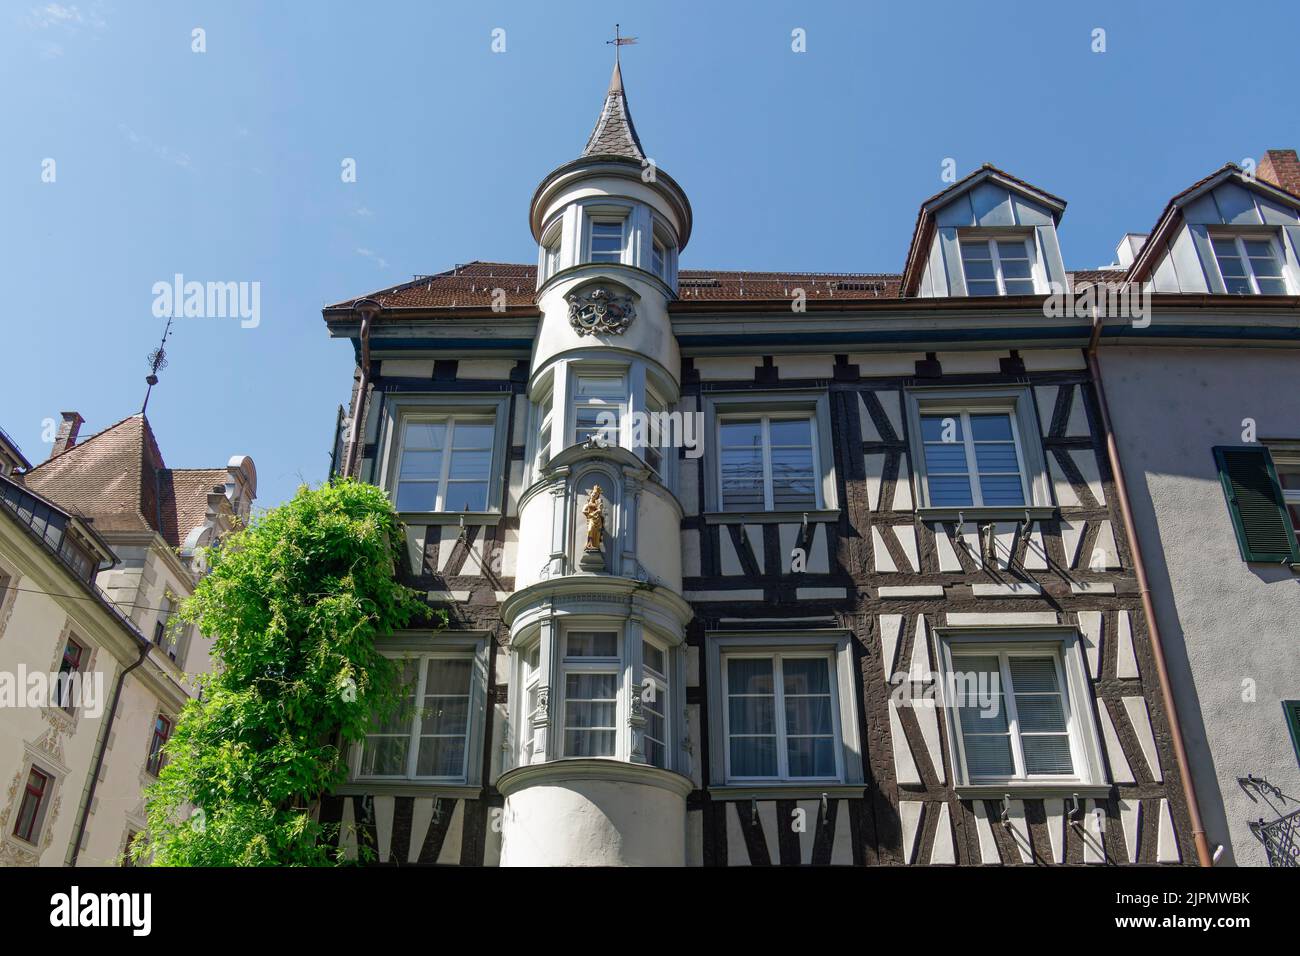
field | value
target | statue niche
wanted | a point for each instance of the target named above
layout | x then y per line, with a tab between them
593	555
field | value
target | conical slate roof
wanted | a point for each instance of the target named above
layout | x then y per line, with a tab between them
614	134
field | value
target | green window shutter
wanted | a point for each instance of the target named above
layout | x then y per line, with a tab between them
1292	710
1250	484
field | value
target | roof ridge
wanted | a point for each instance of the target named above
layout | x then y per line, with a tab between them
83	443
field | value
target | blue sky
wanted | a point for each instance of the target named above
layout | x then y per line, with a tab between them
225	165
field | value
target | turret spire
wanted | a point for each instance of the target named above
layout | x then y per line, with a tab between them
614	134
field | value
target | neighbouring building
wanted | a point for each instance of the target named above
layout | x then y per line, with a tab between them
855	588
1209	437
98	544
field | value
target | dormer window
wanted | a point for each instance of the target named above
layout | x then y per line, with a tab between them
998	266
606	239
1249	265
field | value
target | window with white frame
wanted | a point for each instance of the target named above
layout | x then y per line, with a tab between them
606	238
1249	265
545	415
780	716
655	698
998	266
531	681
768	463
655	439
972	457
659	259
599	405
444	464
1287	462
551	254
590	677
427	736
71	666
1018	710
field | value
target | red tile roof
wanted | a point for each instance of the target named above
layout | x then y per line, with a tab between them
471	286
118	478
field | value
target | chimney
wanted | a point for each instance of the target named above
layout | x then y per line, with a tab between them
1281	168
1129	247
67	436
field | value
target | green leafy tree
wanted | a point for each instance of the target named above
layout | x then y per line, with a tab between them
294	603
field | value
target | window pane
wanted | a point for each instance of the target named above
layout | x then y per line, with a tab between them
749	675
942	428
591	644
653	657
448	676
979	270
1258	248
417	496
472	436
466	496
974	251
985	427
1020	286
1271	286
742	434
753	757
811	757
805	676
796	431
608	387
808	715
421	464
793	494
989	756
945	459
996	458
470	465
441	757
1048	754
950	491
1034	675
1237	285
384	756
589	714
751	715
982	288
1015	269
425	435
1012	249
792	463
1001	490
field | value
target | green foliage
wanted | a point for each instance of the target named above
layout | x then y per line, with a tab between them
294	603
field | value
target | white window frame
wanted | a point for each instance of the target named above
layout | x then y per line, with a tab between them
1286	457
833	645
404	645
1019	403
991	240
1239	240
600	216
577	372
663	699
1063	644
777	657
962	413
413	737
591	665
552	250
436	407
765	419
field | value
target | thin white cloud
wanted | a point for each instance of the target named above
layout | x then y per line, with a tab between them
377	259
163	152
363	211
66	16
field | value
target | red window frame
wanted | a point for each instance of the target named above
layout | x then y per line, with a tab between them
73	652
38	786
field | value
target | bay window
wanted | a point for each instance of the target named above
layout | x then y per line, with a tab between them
606	238
654	660
590	676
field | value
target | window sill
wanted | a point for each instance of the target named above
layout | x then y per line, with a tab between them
786	790
1020	790
769	517
1013	513
449	517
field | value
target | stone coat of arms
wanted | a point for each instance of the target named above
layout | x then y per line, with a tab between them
600	311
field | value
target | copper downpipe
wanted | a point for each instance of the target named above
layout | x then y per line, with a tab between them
1203	856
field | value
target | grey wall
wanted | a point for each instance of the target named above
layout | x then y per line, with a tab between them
1223	622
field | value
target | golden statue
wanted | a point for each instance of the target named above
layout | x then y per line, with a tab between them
594	512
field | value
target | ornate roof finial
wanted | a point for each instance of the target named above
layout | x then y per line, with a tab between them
157	362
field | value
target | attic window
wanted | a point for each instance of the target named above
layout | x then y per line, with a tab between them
1249	265
997	266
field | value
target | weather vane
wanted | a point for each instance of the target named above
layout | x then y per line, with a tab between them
619	41
157	360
